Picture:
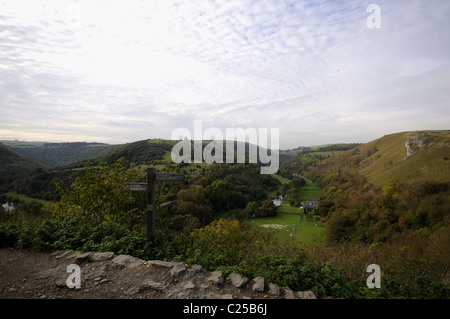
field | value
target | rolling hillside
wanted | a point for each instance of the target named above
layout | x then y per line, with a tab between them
417	156
14	166
157	152
60	154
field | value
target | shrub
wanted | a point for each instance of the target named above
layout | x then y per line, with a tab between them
231	246
98	196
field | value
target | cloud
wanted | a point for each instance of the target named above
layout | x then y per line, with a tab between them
133	70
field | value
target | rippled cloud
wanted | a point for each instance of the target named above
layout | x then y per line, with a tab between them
116	71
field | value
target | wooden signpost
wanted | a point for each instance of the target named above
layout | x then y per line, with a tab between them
149	187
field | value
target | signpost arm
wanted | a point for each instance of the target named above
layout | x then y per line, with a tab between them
151	176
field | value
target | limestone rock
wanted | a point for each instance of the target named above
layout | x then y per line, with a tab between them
101	256
63	254
150	284
238	280
416	142
127	261
216	278
289	294
306	295
178	270
189	285
196	271
82	257
274	290
161	263
258	285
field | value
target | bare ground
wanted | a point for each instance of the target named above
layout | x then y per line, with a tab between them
28	274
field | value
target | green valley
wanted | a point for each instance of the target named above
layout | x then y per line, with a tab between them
343	207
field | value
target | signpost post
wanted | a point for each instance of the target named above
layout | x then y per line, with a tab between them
149	187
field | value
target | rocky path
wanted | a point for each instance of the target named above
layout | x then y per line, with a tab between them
104	275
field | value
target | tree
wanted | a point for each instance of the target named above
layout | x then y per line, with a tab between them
268	209
391	187
224	196
32	207
325	207
192	202
340	226
98	196
251	209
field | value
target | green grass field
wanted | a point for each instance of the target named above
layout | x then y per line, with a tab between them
291	226
310	191
282	179
290	221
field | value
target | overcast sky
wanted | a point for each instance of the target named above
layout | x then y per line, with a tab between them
121	71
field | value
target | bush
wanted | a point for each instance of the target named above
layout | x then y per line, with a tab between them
231	246
13	232
98	196
68	234
300	273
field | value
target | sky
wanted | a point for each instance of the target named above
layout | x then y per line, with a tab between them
320	71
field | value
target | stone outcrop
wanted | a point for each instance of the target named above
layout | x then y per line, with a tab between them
416	142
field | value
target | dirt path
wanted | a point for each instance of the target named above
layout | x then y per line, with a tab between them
33	275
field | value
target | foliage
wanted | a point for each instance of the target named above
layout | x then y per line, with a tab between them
403	227
293	190
192	201
140	152
231	246
27	176
223	189
14	167
407	270
68	233
300	273
98	196
355	210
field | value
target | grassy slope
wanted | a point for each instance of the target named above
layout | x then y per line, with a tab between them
310	191
14	165
427	164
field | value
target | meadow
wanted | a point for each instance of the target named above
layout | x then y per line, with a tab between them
290	221
310	191
290	224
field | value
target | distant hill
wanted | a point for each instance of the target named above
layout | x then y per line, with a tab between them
14	166
287	155
416	156
60	154
140	152
157	152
